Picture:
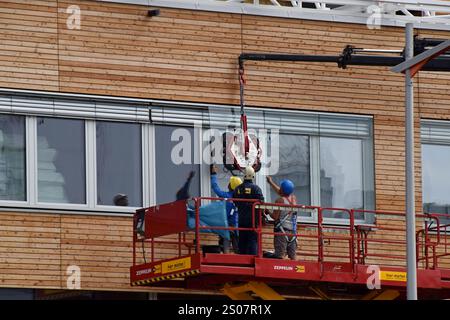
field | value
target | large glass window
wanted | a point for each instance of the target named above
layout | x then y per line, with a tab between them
175	158
61	160
12	158
86	164
435	138
331	167
119	162
293	164
436	178
341	175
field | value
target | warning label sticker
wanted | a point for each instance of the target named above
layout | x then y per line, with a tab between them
176	265
300	268
393	276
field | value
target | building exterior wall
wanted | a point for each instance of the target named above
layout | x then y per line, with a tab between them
191	56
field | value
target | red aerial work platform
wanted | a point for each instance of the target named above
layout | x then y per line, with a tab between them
334	261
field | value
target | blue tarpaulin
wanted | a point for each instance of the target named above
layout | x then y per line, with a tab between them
211	215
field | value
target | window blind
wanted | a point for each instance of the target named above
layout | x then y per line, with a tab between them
187	114
434	131
75	108
295	122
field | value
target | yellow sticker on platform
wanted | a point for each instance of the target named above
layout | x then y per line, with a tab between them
300	269
176	265
393	276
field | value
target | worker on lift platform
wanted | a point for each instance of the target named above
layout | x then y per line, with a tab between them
232	214
285	221
248	240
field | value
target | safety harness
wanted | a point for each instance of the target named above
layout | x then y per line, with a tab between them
293	216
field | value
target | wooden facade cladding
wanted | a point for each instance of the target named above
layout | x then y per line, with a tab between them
29	45
189	56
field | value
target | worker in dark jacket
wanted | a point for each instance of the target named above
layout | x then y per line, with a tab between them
248	240
232	213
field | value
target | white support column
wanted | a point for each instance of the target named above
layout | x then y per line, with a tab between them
410	195
31	160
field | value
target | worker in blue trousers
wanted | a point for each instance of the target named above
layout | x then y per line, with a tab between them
232	213
248	239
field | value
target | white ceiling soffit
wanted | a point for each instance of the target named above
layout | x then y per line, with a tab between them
425	14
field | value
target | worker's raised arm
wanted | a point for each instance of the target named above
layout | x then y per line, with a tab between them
274	186
215	186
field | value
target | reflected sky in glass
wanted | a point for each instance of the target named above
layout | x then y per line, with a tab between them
341	173
294	165
61	160
170	177
436	178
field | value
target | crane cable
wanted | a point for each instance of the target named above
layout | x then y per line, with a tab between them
243	115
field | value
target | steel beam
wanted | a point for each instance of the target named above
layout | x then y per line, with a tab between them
438	64
409	63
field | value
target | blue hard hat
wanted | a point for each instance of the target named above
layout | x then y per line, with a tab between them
287	187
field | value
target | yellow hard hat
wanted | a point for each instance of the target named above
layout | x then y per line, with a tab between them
234	182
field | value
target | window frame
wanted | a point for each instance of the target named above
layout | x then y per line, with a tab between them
368	177
445	220
198	132
31	173
26	145
148	160
428	139
367	174
144	159
36	172
261	179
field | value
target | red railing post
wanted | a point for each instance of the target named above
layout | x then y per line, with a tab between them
358	246
445	239
366	249
352	239
427	244
134	239
179	244
259	228
253	215
197	202
435	260
152	256
320	240
418	245
438	240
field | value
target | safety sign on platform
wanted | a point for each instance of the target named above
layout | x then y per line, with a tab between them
176	265
300	268
393	276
